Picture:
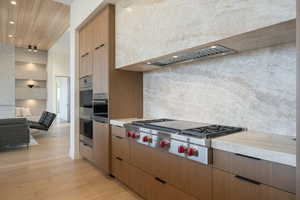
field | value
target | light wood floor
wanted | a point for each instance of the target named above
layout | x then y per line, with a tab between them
44	172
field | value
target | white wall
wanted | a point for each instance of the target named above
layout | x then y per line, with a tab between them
31	65
58	65
7	81
23	55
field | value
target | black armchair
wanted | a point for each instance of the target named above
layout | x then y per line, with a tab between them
44	122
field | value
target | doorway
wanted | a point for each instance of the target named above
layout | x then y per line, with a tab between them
63	98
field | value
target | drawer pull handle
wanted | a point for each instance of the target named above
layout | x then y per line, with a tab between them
241	155
101	45
85	55
247	180
118	158
119	137
160	180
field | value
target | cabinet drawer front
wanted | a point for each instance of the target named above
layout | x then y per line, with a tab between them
189	176
141	157
86	151
120	169
273	174
121	147
118	131
251	168
231	187
270	193
140	182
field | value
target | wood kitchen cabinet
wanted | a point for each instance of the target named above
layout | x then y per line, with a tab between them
123	89
269	173
86	39
154	188
101	28
100	69
86	50
120	169
101	145
140	182
97	58
120	154
161	190
186	175
86	65
120	144
143	157
227	186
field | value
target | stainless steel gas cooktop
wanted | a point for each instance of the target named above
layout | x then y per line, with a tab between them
190	140
194	129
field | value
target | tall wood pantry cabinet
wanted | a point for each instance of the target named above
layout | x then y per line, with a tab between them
124	89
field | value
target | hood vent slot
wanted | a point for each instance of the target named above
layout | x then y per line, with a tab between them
199	54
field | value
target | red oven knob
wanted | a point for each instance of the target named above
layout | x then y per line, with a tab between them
145	139
135	135
128	134
164	144
181	149
192	152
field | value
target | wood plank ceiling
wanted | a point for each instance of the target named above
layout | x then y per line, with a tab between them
37	22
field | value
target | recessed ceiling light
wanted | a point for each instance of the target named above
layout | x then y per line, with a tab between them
175	56
11	22
213	47
13	2
10	36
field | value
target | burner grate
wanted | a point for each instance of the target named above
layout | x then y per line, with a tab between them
211	131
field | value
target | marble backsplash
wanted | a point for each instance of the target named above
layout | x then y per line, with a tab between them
254	89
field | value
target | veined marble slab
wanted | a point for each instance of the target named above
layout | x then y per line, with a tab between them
270	147
121	122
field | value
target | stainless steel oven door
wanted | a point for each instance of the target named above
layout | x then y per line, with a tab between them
86	91
100	107
86	98
86	131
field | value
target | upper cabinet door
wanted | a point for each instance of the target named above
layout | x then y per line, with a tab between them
101	28
89	37
82	42
86	39
100	69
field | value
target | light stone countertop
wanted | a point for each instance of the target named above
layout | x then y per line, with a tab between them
121	122
270	147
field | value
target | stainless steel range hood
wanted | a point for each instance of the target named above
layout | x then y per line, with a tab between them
195	55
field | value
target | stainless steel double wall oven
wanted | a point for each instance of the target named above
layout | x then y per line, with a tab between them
86	111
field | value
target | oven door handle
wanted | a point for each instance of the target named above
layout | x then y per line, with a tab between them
100	101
